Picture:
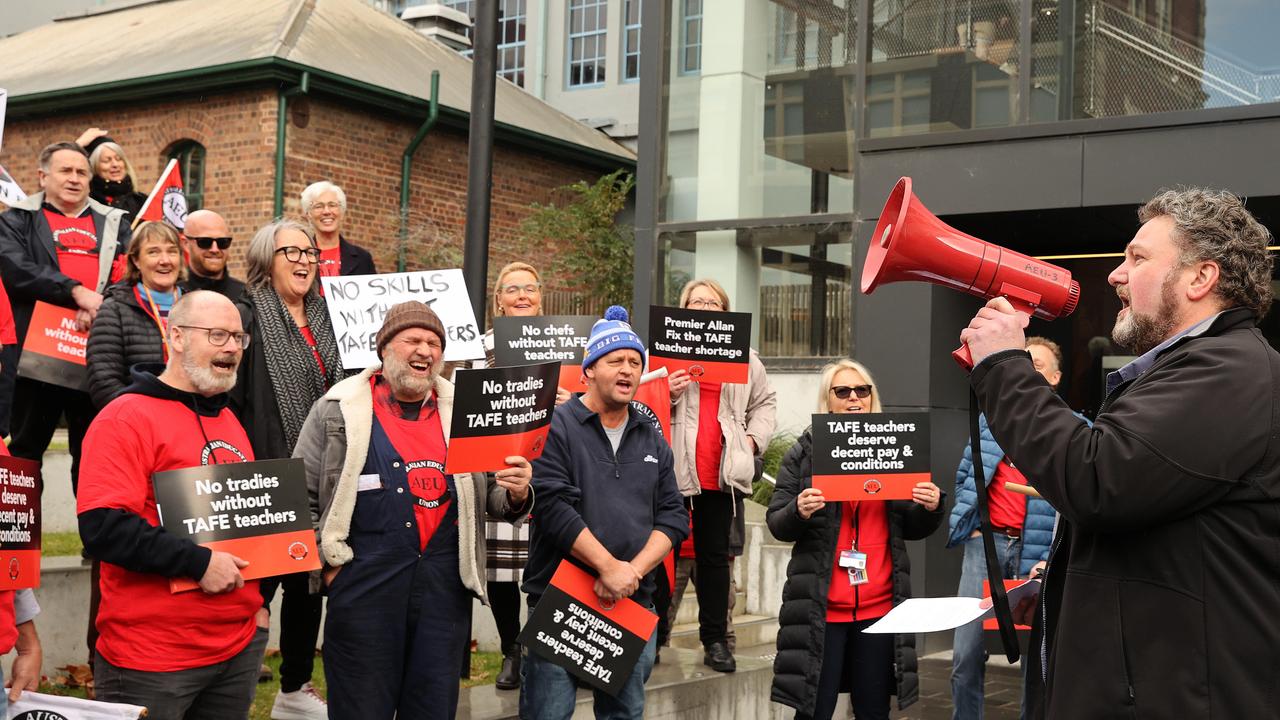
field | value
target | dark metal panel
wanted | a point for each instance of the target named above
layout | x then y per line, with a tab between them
991	177
650	147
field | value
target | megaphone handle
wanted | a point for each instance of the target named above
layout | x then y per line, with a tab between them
963	357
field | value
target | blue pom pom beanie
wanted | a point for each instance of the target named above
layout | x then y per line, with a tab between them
611	333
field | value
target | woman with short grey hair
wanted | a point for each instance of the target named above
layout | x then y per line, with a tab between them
325	207
292	360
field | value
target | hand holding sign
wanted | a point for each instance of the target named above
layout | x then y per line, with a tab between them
223	574
515	479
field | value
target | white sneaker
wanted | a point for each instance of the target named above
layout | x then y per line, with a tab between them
304	704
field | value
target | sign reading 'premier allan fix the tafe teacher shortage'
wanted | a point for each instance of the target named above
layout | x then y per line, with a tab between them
500	412
711	346
878	456
543	338
257	511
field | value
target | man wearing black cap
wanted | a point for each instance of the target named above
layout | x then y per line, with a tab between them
402	542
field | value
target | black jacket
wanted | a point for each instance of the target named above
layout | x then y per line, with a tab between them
118	195
1164	580
803	617
123	335
253	399
355	259
227	286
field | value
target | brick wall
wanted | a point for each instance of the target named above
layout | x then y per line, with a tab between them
355	147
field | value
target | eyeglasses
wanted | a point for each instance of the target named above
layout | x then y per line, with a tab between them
205	243
842	391
699	304
529	289
293	253
219	337
326	206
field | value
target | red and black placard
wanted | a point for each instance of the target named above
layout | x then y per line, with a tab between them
878	456
544	338
19	523
653	400
257	511
500	412
572	629
54	350
712	346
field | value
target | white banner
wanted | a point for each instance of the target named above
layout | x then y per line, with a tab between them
4	100
10	193
358	303
36	705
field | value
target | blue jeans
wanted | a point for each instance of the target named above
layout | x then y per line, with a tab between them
969	657
549	692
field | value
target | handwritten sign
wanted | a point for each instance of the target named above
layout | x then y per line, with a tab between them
19	523
499	412
54	350
878	456
542	338
257	511
570	628
358	303
711	346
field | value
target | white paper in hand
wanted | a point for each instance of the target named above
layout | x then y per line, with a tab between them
923	615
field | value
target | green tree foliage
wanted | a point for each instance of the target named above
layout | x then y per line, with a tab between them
592	250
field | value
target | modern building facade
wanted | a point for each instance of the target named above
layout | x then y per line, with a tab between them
769	146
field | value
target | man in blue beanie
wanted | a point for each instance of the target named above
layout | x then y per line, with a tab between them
607	502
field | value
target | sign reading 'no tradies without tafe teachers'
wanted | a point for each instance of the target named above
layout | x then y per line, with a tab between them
19	523
570	628
358	303
543	338
711	346
875	456
500	412
257	511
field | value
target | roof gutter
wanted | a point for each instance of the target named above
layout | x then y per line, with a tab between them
282	126
406	167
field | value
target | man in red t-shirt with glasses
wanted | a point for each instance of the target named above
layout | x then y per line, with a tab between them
61	247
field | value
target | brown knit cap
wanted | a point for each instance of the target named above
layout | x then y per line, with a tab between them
410	314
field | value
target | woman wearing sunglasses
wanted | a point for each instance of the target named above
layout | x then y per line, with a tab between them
822	650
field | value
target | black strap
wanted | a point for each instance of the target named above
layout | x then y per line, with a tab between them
995	578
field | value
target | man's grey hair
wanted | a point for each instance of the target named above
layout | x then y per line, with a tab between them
262	250
1213	225
316	189
46	155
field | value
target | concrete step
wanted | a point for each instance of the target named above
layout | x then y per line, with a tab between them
749	630
680	687
688	612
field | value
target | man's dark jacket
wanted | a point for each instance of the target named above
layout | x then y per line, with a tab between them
226	286
1163	594
580	483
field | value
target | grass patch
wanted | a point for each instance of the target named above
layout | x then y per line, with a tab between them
56	544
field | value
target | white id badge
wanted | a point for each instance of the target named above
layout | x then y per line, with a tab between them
856	564
368	482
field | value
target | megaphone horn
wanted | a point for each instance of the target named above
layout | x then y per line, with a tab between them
911	243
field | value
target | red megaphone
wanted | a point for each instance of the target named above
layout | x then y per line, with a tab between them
911	243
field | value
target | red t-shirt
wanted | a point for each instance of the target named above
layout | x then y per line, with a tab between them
331	262
864	526
8	330
315	349
710	443
76	242
421	446
141	624
1008	508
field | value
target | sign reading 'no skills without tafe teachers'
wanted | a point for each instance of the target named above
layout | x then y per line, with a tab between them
257	511
711	346
876	456
500	412
544	338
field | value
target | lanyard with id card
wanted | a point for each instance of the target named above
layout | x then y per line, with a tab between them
856	563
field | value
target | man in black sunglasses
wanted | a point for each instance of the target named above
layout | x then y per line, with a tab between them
205	242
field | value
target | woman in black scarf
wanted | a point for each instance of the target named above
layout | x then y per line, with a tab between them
113	174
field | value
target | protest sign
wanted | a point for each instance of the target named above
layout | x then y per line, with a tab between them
358	303
54	350
653	400
19	523
257	511
877	456
991	623
4	102
572	629
499	412
10	192
38	706
542	338
712	346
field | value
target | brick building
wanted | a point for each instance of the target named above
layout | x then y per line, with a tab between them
207	83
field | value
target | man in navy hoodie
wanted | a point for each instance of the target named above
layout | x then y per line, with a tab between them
607	502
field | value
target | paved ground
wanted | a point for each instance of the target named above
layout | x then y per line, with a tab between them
1003	691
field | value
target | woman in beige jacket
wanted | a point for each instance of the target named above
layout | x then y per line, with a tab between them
717	432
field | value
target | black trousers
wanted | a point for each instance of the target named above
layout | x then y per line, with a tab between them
8	376
37	407
866	661
712	521
504	601
299	627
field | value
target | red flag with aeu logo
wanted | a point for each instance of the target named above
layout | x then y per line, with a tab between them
167	201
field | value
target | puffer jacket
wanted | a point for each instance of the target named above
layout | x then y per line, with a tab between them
803	617
1037	529
746	412
123	335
